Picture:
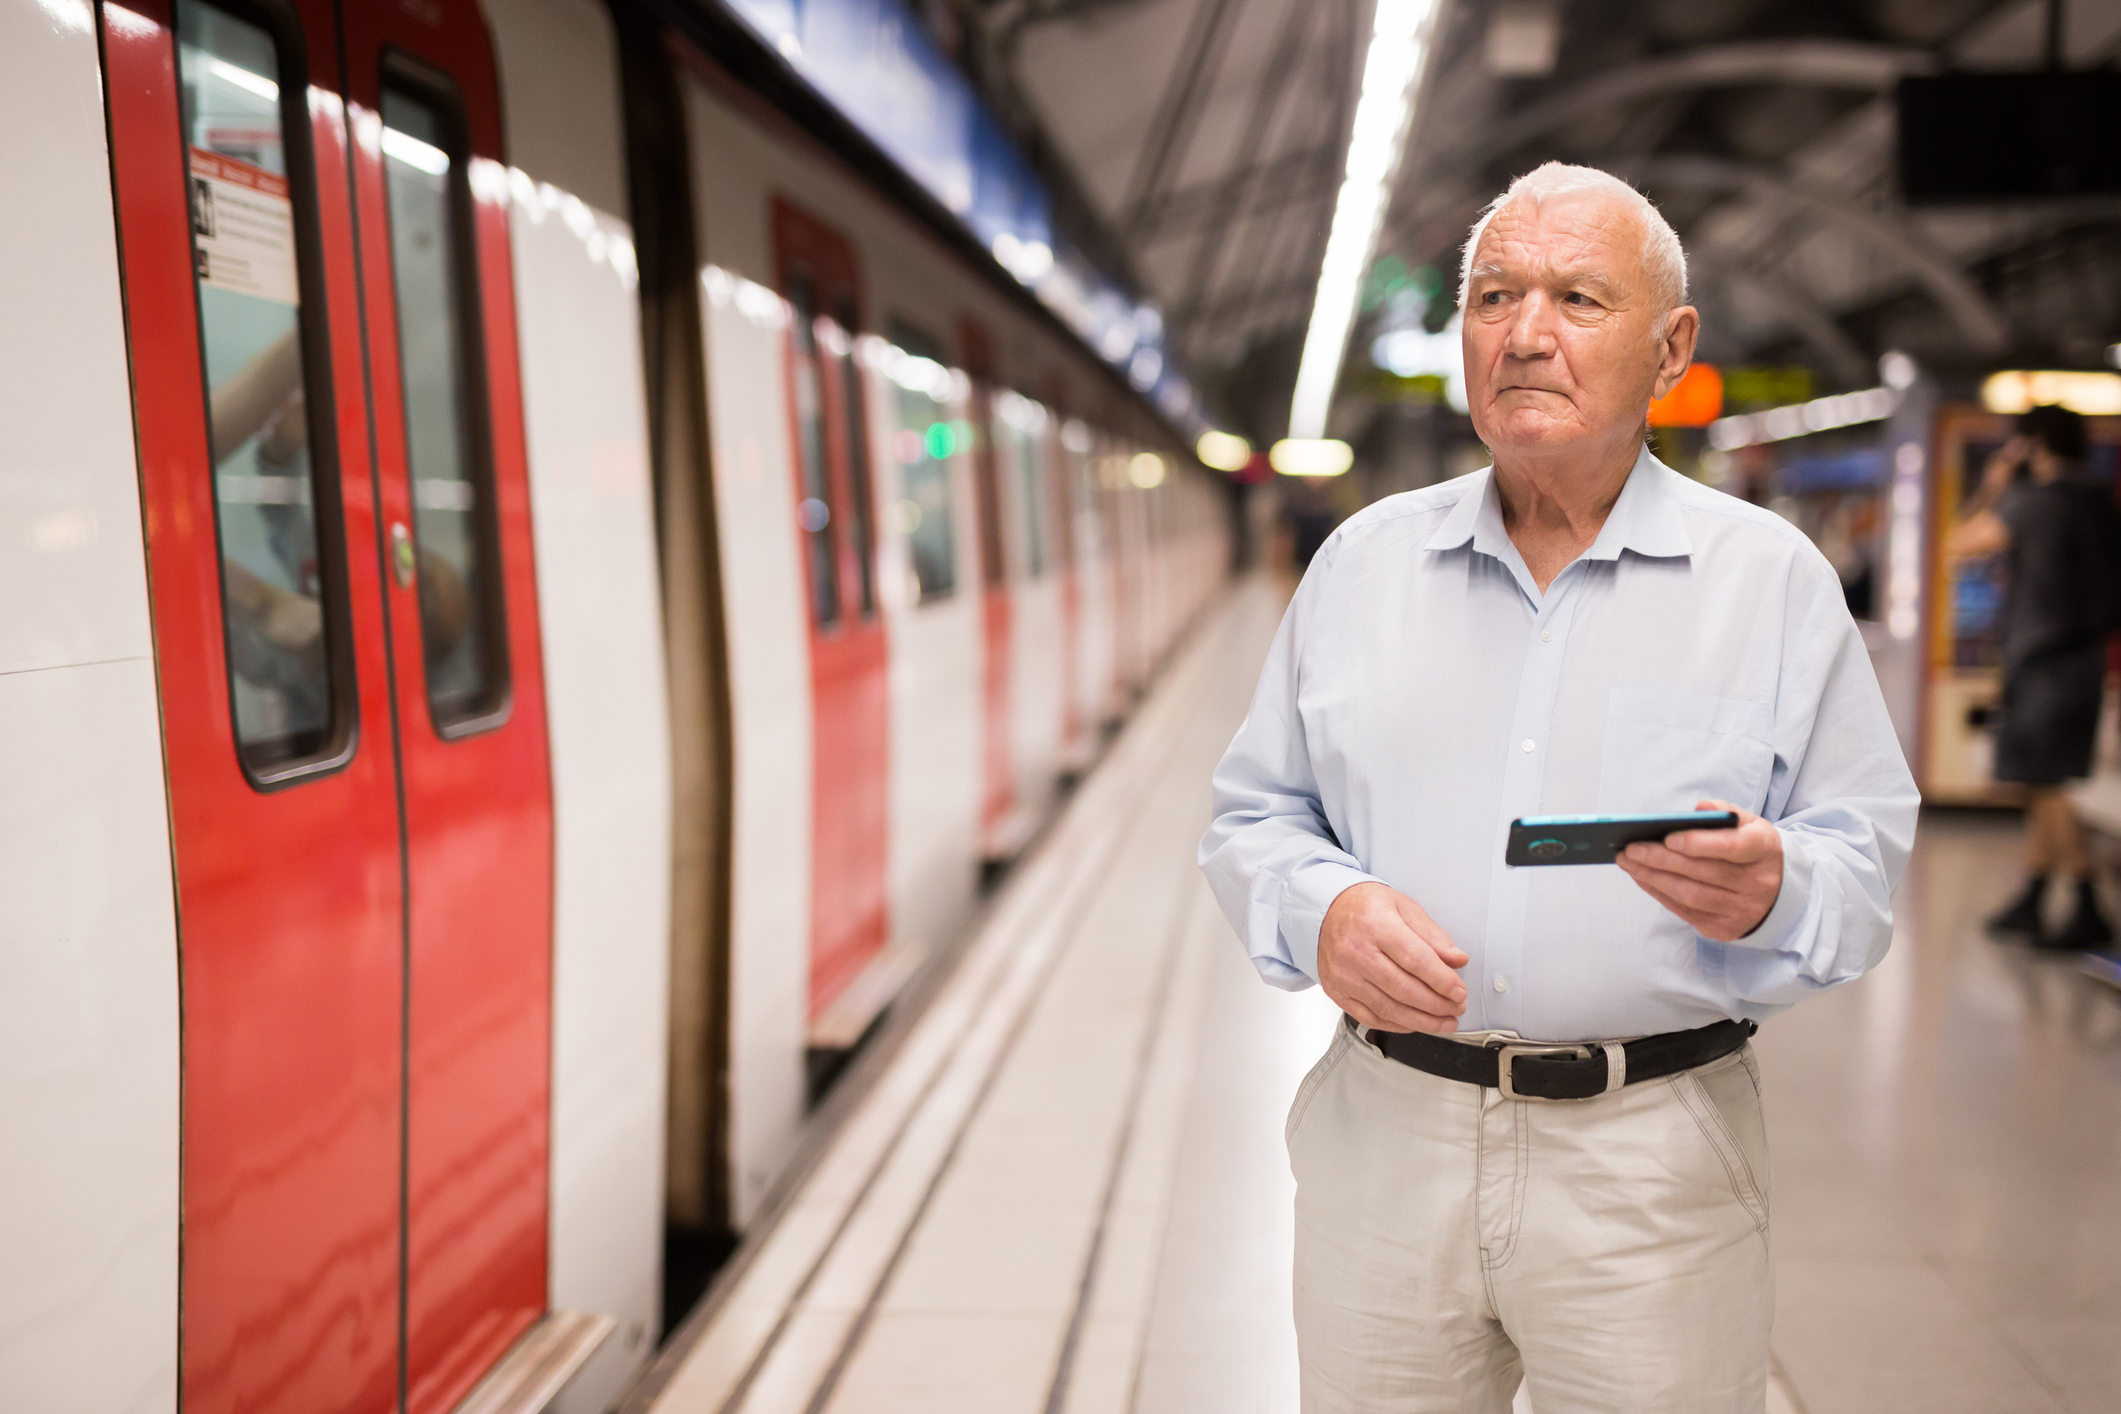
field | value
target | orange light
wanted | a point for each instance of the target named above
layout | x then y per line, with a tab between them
1696	400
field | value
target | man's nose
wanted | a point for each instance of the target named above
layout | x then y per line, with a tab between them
1531	332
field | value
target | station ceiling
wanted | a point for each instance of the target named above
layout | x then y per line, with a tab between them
1208	137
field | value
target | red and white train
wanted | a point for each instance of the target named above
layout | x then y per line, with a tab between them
488	693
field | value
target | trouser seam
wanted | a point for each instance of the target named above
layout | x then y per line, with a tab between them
1520	1151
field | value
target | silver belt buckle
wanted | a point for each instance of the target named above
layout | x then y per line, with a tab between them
1508	1053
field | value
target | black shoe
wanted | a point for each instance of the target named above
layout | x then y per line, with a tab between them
2023	916
2087	928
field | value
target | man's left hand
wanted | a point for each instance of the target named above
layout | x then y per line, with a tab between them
1724	882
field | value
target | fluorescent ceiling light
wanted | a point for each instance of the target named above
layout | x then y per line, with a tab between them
1311	456
2016	390
1398	42
244	79
1801	419
1146	470
413	152
1225	451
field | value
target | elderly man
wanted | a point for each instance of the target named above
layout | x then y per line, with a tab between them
1577	629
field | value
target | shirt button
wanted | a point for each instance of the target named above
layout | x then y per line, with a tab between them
1502	984
1527	745
1546	635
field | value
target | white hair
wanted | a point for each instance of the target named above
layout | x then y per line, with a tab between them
1662	256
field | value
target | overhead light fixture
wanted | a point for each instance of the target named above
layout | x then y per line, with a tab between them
1146	470
1398	43
1523	40
1225	451
1311	456
2017	390
1801	419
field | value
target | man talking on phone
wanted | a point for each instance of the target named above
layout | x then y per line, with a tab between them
1534	1148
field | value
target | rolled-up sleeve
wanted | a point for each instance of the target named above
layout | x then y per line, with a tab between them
1269	855
1846	805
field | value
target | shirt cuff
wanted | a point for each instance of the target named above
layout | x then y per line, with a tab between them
1303	908
1791	905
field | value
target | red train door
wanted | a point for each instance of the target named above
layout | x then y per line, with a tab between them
228	152
997	755
833	494
431	205
353	721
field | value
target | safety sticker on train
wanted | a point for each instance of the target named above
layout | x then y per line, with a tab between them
243	229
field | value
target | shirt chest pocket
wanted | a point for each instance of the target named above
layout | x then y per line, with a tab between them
1665	750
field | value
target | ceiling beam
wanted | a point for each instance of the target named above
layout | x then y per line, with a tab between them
1978	318
1796	63
1170	131
1243	299
1798	312
1273	87
1275	183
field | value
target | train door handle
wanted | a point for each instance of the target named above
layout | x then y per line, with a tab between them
401	553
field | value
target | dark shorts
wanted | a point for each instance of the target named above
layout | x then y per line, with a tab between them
2050	718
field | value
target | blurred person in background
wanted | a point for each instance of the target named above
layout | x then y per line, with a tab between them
1308	508
1576	628
2061	540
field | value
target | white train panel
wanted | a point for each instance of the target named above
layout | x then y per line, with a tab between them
600	614
935	651
89	1008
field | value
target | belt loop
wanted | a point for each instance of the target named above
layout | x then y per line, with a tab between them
1616	1066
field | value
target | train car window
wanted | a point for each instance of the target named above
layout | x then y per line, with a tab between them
429	201
288	683
1077	443
815	514
1018	430
923	443
861	515
1030	470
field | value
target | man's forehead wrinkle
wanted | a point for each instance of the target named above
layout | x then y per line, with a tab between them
1583	265
1584	222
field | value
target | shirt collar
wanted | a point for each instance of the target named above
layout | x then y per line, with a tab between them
1646	517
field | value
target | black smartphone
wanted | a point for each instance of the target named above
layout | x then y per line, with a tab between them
1598	839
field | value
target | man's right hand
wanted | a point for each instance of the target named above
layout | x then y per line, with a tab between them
1388	964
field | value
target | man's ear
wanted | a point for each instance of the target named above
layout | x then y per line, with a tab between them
1682	330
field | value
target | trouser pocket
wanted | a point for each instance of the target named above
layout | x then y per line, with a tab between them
1336	1049
1724	1099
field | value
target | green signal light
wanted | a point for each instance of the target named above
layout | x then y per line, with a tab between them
941	440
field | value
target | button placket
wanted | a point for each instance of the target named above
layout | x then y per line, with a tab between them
1524	778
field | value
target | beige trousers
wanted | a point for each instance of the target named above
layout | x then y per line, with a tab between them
1612	1253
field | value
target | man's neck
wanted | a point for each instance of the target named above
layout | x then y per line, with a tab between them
1553	510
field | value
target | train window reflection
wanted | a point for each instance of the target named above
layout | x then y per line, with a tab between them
1020	430
461	633
819	537
246	274
924	443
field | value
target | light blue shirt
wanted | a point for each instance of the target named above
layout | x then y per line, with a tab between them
1422	693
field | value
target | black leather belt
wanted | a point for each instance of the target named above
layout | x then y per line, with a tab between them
1536	1070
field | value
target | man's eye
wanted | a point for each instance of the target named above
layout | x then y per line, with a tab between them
1492	297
